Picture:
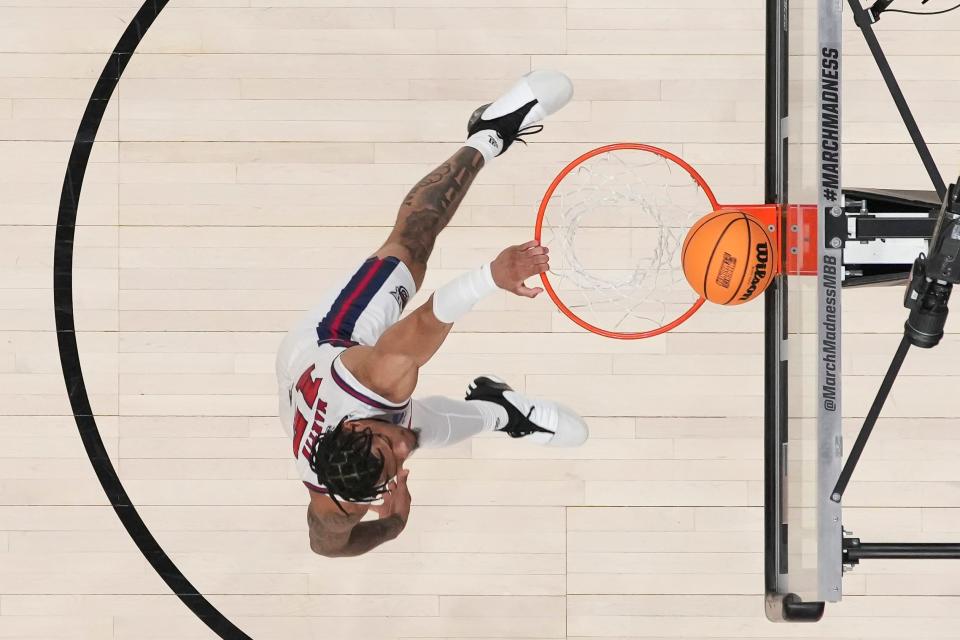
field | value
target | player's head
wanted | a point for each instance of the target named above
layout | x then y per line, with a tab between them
356	460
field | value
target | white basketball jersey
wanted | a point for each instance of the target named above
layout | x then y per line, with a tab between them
316	391
324	394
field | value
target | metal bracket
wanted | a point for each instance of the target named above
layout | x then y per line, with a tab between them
835	227
854	551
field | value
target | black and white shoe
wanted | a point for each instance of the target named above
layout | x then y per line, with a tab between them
494	127
540	421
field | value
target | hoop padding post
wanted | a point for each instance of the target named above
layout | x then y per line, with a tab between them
800	257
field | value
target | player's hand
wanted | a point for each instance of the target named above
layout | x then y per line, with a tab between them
397	501
516	264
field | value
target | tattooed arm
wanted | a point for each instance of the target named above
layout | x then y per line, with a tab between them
338	535
335	535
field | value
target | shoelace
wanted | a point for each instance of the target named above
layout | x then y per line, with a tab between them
530	413
521	431
528	130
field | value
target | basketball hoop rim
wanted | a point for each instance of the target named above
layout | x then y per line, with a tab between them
538	231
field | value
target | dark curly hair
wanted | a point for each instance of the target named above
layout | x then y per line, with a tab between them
347	466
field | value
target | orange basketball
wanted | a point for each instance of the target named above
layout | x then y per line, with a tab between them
728	257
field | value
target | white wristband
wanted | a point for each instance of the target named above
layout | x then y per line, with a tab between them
454	299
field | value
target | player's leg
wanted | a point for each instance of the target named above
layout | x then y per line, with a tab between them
492	129
443	422
491	405
428	208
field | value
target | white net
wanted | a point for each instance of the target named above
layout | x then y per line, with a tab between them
615	227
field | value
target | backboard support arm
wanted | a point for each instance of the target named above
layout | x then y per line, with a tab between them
863	19
932	278
854	551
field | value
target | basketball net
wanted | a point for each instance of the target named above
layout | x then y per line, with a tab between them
615	221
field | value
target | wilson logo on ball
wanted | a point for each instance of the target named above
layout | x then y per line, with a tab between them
759	271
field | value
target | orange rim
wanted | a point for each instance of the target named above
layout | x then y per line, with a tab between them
545	278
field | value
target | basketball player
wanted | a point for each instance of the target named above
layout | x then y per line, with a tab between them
348	371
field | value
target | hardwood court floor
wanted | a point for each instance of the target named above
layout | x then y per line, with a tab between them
254	149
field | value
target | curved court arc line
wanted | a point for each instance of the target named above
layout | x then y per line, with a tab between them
67	338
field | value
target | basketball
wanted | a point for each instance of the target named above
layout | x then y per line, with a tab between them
728	257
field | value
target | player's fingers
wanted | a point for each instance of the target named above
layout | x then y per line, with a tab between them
528	245
527	292
540	259
536	250
536	269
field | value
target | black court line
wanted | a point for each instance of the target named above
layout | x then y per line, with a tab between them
67	338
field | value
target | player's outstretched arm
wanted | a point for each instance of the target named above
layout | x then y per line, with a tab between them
390	367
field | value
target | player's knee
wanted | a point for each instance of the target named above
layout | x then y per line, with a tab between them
417	268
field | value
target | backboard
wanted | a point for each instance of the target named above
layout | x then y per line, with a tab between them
803	359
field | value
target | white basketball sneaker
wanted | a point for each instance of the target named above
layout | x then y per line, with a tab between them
542	421
494	127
